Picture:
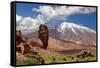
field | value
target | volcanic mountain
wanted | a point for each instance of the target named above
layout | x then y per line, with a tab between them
74	33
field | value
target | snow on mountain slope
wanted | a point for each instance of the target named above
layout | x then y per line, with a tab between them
62	27
75	33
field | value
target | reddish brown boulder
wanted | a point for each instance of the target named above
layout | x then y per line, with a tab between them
23	48
43	35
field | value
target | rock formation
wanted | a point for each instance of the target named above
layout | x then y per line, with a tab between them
22	45
43	35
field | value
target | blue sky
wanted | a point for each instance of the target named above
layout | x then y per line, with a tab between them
85	19
26	9
88	20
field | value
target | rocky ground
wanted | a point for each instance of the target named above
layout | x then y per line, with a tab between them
57	52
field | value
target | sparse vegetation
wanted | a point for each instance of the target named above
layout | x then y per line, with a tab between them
48	57
28	61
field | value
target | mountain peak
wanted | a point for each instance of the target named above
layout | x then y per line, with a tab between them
65	25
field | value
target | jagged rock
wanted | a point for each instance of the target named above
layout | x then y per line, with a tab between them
22	45
26	48
19	57
20	48
23	48
18	37
43	35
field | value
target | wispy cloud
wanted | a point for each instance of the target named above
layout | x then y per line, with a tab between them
63	11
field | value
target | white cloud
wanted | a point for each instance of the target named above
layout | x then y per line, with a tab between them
63	11
18	18
29	24
46	11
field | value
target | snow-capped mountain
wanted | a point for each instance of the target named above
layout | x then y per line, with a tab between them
74	33
62	27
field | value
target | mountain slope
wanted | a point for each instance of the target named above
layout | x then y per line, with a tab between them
75	33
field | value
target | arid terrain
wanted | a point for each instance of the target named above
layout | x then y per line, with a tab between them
57	52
